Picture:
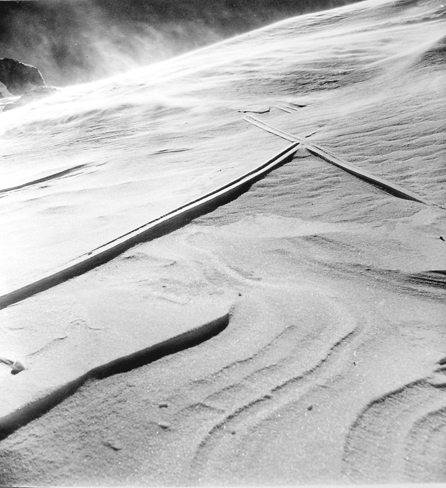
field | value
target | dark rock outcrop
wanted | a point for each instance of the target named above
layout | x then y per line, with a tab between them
19	78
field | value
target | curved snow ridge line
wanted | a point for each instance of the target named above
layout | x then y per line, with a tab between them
430	283
151	230
186	340
380	438
43	179
274	398
331	158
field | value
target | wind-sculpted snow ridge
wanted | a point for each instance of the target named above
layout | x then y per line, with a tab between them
435	55
433	278
43	179
430	283
400	436
48	383
156	228
277	381
333	159
328	292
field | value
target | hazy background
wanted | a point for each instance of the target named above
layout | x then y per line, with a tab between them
74	41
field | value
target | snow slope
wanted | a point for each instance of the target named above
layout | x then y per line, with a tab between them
321	293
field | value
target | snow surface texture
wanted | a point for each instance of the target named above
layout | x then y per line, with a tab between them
314	298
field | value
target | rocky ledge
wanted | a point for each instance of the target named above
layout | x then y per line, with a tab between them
19	78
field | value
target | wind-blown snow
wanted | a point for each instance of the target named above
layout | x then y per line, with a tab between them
331	291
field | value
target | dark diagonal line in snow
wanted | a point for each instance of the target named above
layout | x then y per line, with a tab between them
331	158
151	230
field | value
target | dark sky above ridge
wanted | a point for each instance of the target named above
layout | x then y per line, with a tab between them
73	41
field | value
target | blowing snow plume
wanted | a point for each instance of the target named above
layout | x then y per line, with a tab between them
77	41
